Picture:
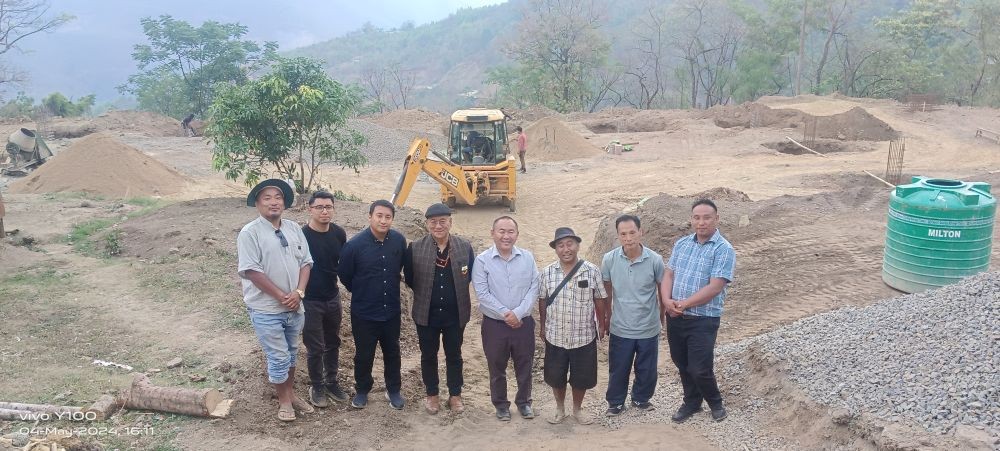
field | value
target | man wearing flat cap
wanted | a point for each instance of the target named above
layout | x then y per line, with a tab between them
274	264
571	296
438	268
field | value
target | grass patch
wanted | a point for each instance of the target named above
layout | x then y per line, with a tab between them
81	233
72	196
113	243
203	283
340	195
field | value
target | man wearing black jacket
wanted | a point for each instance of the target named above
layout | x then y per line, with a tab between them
324	313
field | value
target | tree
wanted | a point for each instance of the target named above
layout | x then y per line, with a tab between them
59	105
182	66
20	19
294	119
20	106
562	40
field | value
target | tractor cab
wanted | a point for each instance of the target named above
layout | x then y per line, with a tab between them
478	137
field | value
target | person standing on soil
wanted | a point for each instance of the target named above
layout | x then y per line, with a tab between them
522	147
437	269
324	314
274	265
632	274
370	268
506	281
700	267
186	125
570	294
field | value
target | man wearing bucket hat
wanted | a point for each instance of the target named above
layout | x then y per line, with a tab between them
438	268
570	295
274	264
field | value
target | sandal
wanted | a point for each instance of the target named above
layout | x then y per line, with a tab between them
557	418
286	414
583	418
302	406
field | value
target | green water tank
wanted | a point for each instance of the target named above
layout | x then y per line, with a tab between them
939	231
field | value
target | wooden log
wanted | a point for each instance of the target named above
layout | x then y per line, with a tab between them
144	395
39	408
105	406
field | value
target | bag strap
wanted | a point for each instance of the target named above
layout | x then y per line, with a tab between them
552	297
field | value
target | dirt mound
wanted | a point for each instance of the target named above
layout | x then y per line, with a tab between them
549	139
821	146
772	267
143	123
173	230
624	120
415	120
855	124
100	164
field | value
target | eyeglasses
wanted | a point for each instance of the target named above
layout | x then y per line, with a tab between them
281	236
322	207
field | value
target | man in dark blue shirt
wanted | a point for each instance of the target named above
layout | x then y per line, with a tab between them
370	267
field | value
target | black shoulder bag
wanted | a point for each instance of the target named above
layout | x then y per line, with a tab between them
552	297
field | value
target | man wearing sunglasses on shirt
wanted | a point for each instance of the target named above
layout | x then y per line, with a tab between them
274	264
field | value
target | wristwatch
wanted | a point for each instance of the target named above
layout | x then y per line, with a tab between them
302	294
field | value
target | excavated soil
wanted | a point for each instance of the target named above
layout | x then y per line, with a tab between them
824	147
630	120
143	123
854	125
100	164
550	139
794	257
414	120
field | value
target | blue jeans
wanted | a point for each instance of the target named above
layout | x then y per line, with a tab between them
623	353
279	337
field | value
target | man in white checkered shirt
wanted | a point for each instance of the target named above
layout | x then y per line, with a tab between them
568	323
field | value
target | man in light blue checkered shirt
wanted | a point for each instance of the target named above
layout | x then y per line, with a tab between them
700	267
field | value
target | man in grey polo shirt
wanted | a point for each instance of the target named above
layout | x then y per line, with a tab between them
274	264
506	281
632	275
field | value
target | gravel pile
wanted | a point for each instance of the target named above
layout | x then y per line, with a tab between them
389	146
930	359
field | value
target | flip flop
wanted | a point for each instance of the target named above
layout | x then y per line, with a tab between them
286	414
302	406
557	418
583	418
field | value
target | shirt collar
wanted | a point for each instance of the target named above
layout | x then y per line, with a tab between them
713	239
494	252
372	235
642	255
268	224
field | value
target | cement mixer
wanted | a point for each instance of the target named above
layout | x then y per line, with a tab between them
25	151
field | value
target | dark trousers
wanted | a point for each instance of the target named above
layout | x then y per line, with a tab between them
368	334
321	335
430	339
623	354
692	348
501	343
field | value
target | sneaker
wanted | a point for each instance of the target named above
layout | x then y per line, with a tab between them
503	413
317	397
614	411
684	412
526	411
360	400
395	400
719	414
334	391
644	406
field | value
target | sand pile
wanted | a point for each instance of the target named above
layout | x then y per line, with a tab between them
550	139
100	164
415	120
855	124
134	122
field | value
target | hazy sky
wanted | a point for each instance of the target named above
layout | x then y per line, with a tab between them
92	54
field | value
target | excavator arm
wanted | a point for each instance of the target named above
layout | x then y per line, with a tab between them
446	173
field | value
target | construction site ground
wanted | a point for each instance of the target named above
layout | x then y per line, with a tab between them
808	232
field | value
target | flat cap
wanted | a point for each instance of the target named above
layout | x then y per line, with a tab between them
437	209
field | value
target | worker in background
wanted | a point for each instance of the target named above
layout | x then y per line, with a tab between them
186	125
522	147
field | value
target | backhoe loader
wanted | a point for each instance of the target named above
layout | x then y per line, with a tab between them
476	166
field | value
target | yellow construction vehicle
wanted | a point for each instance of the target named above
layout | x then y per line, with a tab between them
477	165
